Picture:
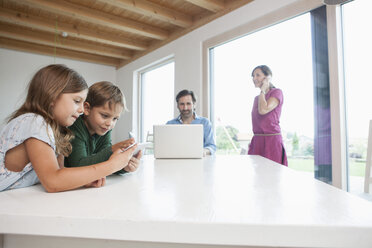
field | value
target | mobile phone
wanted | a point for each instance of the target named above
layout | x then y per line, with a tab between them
131	135
142	147
126	148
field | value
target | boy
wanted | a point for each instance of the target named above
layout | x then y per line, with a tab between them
92	130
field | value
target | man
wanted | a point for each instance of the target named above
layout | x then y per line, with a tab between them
186	105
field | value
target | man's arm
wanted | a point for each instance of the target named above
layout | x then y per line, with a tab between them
209	142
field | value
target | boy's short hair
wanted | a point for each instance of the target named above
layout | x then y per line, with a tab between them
104	91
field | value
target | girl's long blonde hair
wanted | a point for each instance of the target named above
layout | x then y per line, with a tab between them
43	90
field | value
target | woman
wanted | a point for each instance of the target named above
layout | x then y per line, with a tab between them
267	140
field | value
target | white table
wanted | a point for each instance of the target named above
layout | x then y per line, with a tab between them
223	200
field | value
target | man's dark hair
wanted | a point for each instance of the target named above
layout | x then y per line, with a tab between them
183	93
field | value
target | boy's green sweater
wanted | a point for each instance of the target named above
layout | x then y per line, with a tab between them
88	149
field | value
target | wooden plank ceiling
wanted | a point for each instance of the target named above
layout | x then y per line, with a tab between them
110	32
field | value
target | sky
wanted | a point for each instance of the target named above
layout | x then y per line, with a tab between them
358	53
286	49
157	97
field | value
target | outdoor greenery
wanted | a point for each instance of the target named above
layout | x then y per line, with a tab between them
300	150
356	168
295	145
301	164
226	138
358	148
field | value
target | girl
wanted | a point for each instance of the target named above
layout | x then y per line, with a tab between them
36	138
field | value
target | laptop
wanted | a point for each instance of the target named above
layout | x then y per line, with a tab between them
178	141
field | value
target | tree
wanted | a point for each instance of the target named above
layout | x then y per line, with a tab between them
295	144
223	141
309	150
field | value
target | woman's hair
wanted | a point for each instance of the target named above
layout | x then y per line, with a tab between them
102	92
43	90
266	71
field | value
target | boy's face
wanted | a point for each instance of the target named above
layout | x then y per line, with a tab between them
101	119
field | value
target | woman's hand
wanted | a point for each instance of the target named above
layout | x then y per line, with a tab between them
266	84
134	162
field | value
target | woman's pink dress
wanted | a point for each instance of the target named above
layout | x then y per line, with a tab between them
262	143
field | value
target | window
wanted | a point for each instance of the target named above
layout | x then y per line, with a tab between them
357	52
295	51
156	88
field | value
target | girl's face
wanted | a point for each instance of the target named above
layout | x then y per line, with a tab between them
68	107
258	77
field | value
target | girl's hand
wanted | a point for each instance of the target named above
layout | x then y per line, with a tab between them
96	184
120	158
134	162
123	144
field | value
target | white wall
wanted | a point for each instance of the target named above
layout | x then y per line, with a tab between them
17	69
187	52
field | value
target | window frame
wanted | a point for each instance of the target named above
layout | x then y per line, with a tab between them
140	106
338	124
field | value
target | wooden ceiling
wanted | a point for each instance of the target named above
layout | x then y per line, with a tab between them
110	32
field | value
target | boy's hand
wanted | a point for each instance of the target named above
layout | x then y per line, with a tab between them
123	144
134	162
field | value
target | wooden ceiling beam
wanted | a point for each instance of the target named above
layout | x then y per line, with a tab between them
230	7
153	10
16	17
16	33
98	17
59	52
211	5
95	35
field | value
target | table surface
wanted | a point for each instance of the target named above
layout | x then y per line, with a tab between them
221	200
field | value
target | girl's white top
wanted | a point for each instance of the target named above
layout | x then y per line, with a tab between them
18	130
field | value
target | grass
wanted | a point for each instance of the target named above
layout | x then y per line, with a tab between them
301	164
356	168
